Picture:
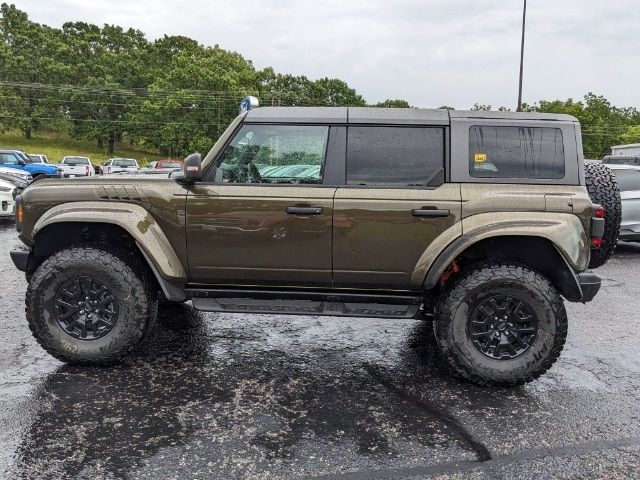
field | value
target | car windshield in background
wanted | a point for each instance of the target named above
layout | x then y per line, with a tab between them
124	163
34	158
76	161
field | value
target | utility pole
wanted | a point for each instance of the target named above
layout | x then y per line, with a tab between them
524	17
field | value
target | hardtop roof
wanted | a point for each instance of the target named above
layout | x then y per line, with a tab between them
387	115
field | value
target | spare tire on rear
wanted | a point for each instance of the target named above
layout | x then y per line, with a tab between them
603	190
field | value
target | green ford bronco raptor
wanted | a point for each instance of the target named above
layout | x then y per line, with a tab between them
480	222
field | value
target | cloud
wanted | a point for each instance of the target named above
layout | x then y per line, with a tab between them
431	53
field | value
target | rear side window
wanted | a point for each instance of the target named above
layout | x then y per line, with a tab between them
627	180
516	152
395	156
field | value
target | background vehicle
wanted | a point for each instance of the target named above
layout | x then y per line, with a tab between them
628	180
15	173
37	158
115	165
168	164
73	166
18	160
359	212
7	198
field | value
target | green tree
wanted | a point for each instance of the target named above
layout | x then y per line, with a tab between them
393	104
31	59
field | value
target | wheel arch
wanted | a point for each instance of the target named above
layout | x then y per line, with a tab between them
537	252
74	223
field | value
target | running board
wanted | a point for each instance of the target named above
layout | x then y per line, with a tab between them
306	303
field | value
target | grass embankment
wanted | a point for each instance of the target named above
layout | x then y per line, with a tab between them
56	146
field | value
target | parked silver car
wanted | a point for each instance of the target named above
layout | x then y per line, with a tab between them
628	178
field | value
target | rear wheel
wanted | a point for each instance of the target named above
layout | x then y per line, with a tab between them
603	190
500	324
87	306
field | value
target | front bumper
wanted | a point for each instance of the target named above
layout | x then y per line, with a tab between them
589	284
20	256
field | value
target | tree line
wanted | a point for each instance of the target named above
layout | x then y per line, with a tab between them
175	96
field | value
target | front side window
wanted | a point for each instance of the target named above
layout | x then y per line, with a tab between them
274	154
516	152
395	156
8	158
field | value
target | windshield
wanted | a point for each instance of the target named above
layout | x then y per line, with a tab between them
23	156
124	163
35	158
76	160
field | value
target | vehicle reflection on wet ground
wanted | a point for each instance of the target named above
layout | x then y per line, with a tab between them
260	396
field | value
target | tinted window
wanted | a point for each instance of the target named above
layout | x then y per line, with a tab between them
124	163
8	158
399	156
516	152
274	154
75	160
628	180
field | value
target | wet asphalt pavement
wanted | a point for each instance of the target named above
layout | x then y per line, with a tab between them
255	396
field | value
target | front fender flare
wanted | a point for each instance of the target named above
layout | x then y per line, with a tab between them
134	219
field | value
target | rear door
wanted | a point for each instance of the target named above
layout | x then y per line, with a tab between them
263	215
395	204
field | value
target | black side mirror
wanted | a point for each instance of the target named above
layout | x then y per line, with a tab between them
192	170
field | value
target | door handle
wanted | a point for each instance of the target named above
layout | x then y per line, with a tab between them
304	210
429	212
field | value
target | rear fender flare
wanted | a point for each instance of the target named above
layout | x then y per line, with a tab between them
564	231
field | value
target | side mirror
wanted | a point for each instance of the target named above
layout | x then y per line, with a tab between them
192	170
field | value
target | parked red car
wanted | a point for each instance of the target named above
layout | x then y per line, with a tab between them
168	164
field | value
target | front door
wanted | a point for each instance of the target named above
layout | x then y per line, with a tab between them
263	215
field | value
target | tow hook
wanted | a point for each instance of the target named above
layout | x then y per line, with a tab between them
454	267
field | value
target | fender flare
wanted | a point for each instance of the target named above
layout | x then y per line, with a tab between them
135	220
565	232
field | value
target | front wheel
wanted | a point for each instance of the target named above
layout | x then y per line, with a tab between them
87	306
500	324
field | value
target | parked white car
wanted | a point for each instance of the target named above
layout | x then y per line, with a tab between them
21	174
628	179
117	165
7	199
38	158
73	166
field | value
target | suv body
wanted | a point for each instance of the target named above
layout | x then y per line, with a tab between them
456	216
20	161
628	180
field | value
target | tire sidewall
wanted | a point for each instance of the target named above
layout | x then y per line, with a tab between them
505	370
126	331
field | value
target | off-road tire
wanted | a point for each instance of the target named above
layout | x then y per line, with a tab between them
603	190
135	297
466	291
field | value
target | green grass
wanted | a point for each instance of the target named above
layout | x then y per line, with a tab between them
55	146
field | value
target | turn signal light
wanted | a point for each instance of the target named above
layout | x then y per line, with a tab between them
596	242
19	213
599	213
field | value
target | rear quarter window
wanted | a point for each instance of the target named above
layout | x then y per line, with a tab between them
516	152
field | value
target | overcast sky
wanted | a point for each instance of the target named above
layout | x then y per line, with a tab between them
429	52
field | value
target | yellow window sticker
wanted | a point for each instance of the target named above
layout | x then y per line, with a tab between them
480	157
